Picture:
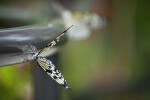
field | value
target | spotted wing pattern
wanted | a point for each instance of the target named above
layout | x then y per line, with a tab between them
50	45
52	71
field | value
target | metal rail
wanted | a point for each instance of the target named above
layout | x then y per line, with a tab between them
13	41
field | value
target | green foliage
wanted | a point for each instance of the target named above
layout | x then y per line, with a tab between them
13	82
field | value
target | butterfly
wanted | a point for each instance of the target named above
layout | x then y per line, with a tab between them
46	64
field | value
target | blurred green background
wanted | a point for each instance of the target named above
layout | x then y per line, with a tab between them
112	64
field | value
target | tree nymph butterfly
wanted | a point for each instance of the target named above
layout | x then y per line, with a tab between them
46	64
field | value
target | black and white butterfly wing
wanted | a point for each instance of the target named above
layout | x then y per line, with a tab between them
52	43
52	71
